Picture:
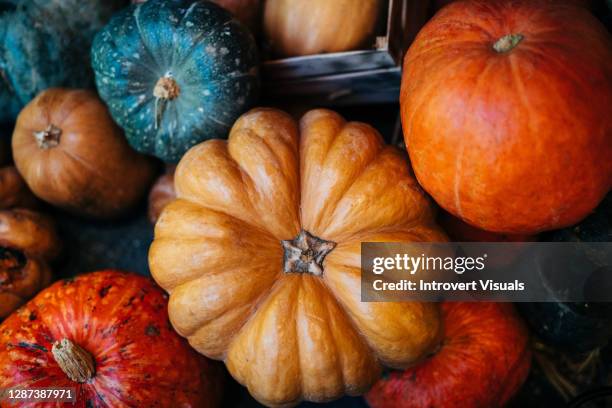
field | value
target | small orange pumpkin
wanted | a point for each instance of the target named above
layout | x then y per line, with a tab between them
261	255
28	242
162	193
72	155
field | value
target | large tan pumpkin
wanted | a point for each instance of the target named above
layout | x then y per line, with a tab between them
304	27
261	255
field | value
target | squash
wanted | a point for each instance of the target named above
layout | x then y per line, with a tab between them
28	242
72	155
260	253
106	335
305	27
504	111
169	101
248	12
45	44
482	361
13	190
161	194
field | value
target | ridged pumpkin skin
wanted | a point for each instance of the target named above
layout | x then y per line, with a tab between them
174	73
515	141
72	155
290	336
120	320
45	44
305	27
482	362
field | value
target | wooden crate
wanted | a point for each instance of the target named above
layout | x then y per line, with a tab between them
352	77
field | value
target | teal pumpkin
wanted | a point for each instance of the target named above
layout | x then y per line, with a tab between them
45	44
174	73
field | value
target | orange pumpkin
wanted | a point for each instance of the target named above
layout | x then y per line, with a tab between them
305	27
261	255
72	155
505	110
28	242
162	193
106	336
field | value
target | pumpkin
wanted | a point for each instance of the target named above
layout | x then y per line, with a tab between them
260	253
305	27
107	336
460	231
45	44
482	361
28	242
13	190
504	113
246	11
72	155
161	194
169	101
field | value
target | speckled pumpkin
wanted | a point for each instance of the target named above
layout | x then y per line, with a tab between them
45	44
107	335
174	73
261	255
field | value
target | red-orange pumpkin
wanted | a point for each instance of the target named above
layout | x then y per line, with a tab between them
505	109
482	361
107	335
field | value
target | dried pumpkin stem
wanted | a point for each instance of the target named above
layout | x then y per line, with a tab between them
166	89
508	43
305	254
48	138
77	363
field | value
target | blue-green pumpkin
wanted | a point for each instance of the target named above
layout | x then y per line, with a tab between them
46	44
174	73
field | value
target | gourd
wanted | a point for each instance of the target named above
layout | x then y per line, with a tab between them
106	336
72	155
174	73
45	44
161	194
28	242
482	361
504	113
304	27
248	12
260	253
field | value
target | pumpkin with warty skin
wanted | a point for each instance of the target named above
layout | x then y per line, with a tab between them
305	27
260	253
72	155
28	242
174	73
504	110
482	361
106	334
45	44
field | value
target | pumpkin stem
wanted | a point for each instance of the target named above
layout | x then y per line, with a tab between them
305	254
165	90
48	138
508	43
77	363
